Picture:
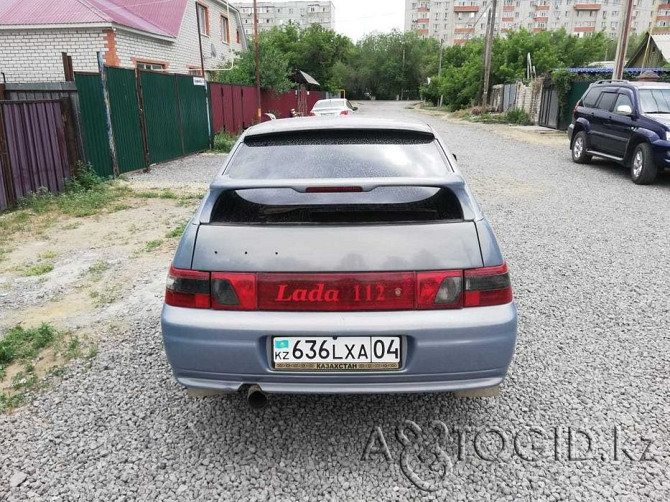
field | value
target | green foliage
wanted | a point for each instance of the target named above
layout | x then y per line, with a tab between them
223	142
38	269
177	231
386	65
20	343
562	80
151	245
460	84
517	116
85	194
314	50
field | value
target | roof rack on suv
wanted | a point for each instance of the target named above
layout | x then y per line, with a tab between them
609	81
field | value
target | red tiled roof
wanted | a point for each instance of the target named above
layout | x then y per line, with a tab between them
162	17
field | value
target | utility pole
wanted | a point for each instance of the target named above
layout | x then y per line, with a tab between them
490	30
202	74
258	65
402	90
620	59
439	64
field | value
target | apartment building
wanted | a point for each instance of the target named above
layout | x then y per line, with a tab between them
456	21
301	13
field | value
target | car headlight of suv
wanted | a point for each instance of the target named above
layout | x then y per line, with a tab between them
666	135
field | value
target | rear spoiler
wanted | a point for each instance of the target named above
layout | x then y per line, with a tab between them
451	181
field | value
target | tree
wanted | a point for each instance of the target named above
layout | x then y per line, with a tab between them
273	69
461	80
314	50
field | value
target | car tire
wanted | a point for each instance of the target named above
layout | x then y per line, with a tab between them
642	166
579	147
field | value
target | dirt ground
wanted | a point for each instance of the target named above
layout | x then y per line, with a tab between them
527	134
104	265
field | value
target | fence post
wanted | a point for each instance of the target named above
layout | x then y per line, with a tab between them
108	115
8	181
143	121
70	135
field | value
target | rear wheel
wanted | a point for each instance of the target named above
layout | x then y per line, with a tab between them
642	166
579	154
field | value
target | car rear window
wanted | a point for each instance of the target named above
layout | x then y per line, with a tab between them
333	103
382	205
591	97
338	154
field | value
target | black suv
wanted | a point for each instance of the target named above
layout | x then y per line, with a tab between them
627	122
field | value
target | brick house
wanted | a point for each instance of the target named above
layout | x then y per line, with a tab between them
148	34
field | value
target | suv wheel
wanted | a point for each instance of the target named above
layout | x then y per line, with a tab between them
642	165
579	154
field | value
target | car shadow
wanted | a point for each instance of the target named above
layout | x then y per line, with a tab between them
619	172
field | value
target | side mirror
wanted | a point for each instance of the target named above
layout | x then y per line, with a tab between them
355	108
624	110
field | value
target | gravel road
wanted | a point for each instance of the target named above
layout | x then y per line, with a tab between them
588	253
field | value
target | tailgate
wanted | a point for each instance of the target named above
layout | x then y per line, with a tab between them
312	248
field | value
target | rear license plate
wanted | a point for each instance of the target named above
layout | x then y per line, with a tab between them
336	353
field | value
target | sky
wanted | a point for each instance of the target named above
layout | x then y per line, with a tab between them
355	18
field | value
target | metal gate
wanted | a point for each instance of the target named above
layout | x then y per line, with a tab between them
549	107
155	117
126	119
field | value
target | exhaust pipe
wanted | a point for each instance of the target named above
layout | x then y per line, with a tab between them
256	398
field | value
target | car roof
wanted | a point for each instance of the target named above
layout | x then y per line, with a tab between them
327	123
628	83
331	100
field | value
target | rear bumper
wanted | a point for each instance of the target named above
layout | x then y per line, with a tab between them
445	350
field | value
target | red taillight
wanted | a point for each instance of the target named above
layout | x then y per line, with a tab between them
577	105
312	114
187	288
487	286
439	290
233	291
344	112
333	292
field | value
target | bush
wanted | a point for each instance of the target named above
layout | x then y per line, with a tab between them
517	116
223	142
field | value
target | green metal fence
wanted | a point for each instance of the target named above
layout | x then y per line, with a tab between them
155	117
193	120
161	113
126	119
94	128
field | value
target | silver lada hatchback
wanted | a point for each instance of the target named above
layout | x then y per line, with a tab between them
344	257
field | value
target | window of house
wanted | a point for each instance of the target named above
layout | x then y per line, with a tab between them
225	30
237	35
146	65
196	72
203	18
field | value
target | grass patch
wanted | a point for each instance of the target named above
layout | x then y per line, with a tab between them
38	269
20	343
25	349
177	231
151	245
97	269
48	255
224	142
165	193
